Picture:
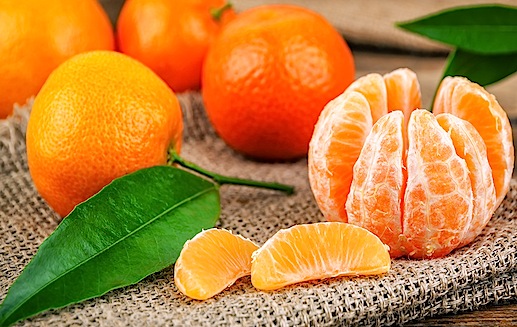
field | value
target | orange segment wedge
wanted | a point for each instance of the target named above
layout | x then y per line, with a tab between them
438	196
403	91
373	88
375	197
210	262
471	102
317	251
341	129
470	147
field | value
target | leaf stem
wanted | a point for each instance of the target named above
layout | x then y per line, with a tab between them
217	13
174	157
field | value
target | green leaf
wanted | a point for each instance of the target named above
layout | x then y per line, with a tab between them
482	69
486	29
132	228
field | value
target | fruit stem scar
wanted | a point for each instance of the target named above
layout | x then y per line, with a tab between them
174	157
217	13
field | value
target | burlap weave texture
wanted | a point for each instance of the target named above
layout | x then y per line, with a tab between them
484	272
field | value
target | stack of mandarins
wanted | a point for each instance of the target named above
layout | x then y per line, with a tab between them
268	73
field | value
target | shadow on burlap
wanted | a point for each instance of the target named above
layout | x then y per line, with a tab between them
483	273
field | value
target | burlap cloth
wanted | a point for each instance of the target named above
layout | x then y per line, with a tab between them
483	273
372	23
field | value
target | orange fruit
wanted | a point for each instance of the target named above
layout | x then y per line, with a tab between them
317	251
171	37
269	74
212	261
37	36
425	184
100	115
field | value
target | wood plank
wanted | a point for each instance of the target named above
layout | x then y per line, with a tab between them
500	315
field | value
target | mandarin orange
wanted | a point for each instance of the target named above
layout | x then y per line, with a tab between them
269	74
37	36
100	115
425	184
172	37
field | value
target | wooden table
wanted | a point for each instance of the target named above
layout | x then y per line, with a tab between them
428	69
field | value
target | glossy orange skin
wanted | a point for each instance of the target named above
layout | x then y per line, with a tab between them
99	116
267	77
36	36
170	37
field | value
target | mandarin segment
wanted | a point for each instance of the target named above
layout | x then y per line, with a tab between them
471	102
335	146
317	251
212	261
403	91
373	88
444	94
438	196
375	197
470	146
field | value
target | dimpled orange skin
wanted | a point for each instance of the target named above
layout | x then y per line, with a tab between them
170	37
268	76
37	36
99	116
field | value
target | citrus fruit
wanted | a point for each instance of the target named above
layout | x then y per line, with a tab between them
210	262
171	37
268	75
317	251
100	115
37	36
425	184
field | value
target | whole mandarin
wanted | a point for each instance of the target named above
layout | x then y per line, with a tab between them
37	36
99	116
171	37
268	76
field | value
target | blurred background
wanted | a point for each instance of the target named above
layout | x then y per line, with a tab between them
379	46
